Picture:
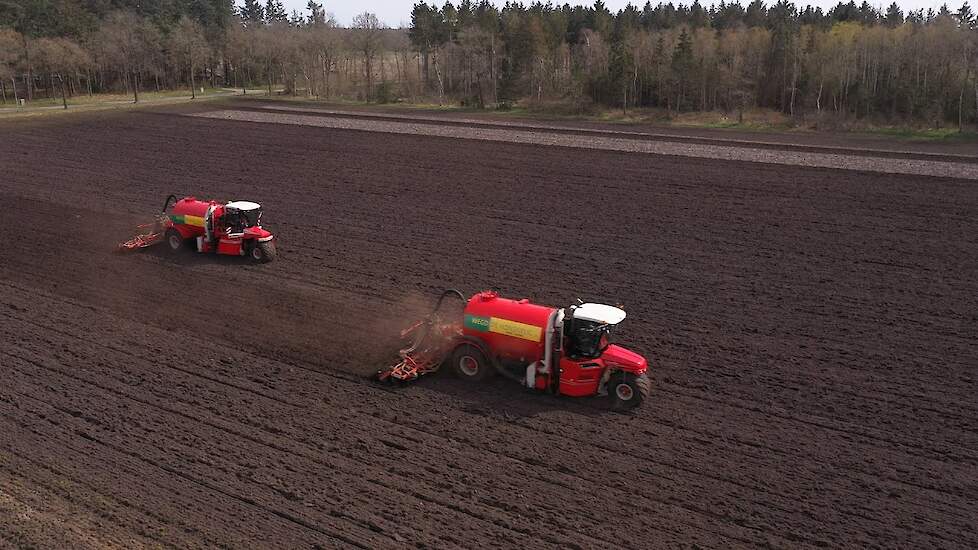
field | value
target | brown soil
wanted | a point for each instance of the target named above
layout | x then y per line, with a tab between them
811	334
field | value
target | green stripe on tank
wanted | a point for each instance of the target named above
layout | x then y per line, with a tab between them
475	322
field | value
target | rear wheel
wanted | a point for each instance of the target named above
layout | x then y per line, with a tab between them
174	240
469	363
264	252
627	390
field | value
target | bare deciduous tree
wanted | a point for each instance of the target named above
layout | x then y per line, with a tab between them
188	45
61	57
9	59
131	42
366	40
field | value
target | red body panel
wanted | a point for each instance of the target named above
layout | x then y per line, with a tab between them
510	329
231	247
580	377
257	233
619	358
190	206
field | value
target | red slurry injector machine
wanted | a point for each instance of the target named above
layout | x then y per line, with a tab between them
564	351
232	228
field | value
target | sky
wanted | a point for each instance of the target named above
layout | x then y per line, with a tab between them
396	13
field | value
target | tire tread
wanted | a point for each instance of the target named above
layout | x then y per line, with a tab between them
268	251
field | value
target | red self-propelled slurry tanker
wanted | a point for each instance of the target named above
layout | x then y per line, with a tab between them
232	228
564	351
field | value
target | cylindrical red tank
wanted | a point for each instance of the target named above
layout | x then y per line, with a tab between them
188	216
511	329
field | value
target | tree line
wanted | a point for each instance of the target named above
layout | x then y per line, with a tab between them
850	61
52	48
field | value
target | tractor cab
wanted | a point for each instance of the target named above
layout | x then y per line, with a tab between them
586	329
590	364
241	215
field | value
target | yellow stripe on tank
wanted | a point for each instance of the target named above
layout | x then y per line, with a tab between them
194	220
522	331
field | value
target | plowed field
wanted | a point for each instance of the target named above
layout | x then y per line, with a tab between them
813	336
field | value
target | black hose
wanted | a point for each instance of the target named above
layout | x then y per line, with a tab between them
167	203
445	294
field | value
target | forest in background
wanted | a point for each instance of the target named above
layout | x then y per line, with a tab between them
850	62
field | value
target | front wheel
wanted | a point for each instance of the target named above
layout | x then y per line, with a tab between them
469	363
627	390
264	252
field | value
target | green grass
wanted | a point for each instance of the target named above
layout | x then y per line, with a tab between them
756	120
746	126
105	99
342	101
925	134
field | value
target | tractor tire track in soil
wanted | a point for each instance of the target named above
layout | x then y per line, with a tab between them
811	333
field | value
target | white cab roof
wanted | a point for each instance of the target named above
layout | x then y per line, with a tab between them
243	205
599	313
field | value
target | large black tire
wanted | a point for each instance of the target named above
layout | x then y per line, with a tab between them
174	241
627	390
469	363
264	252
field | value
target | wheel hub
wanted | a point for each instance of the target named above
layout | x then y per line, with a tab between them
468	365
174	242
624	392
